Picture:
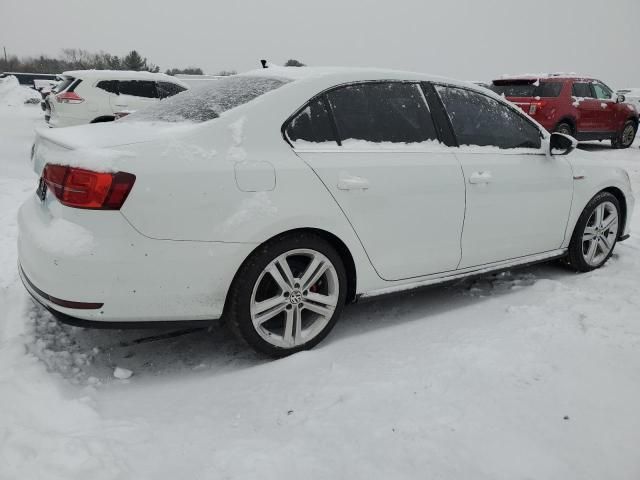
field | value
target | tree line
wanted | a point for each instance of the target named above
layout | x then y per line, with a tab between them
78	59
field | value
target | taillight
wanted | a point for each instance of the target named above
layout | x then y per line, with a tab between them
69	97
80	188
535	106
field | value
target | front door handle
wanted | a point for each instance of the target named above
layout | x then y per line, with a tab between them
352	182
480	177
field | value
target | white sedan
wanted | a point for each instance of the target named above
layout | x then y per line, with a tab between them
273	198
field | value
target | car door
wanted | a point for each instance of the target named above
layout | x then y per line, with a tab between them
589	108
375	147
134	95
518	195
607	119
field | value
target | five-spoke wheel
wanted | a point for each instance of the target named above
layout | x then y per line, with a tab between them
288	294
294	298
596	233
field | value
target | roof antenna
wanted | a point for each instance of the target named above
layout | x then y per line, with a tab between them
264	63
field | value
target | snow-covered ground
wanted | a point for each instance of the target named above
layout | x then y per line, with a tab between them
531	374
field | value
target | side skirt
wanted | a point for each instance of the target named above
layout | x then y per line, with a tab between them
467	273
586	136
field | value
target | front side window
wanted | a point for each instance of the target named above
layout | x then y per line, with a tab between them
138	88
484	121
582	90
382	112
312	124
602	91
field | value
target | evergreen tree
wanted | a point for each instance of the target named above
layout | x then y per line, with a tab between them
133	61
293	63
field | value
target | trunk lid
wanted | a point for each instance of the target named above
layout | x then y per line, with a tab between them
75	145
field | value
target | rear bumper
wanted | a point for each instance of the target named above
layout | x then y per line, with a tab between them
57	121
94	266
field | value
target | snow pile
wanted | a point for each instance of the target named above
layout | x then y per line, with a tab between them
525	374
12	94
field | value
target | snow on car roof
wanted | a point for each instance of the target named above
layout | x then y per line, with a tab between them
349	74
546	76
121	74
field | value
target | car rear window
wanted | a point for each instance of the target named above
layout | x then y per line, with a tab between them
208	101
527	89
63	84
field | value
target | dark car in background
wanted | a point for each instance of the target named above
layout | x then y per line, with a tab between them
582	107
32	80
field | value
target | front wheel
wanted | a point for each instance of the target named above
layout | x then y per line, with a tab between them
288	294
564	128
596	233
626	137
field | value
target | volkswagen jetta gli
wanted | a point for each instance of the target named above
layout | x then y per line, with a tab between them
273	198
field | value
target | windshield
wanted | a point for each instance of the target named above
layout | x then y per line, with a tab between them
208	101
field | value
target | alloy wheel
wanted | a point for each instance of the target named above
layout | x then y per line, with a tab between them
294	298
628	135
600	234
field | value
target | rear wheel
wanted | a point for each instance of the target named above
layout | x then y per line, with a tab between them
596	233
288	295
565	128
626	137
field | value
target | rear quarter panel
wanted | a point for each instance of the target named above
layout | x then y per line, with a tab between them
187	187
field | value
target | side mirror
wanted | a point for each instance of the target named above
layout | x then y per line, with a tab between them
620	98
562	144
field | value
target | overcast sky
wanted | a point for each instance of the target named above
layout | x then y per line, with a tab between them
467	39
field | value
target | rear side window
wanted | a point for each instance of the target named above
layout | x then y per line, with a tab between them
168	89
110	86
138	88
382	112
312	124
534	89
484	121
582	90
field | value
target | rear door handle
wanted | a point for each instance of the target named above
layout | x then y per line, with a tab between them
352	182
480	177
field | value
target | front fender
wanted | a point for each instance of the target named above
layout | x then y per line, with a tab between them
591	177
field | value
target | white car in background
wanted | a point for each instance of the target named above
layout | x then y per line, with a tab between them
273	198
95	96
632	96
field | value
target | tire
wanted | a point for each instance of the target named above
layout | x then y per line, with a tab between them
279	312
587	254
103	119
627	135
564	127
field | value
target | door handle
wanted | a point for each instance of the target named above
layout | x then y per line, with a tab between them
480	177
352	182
